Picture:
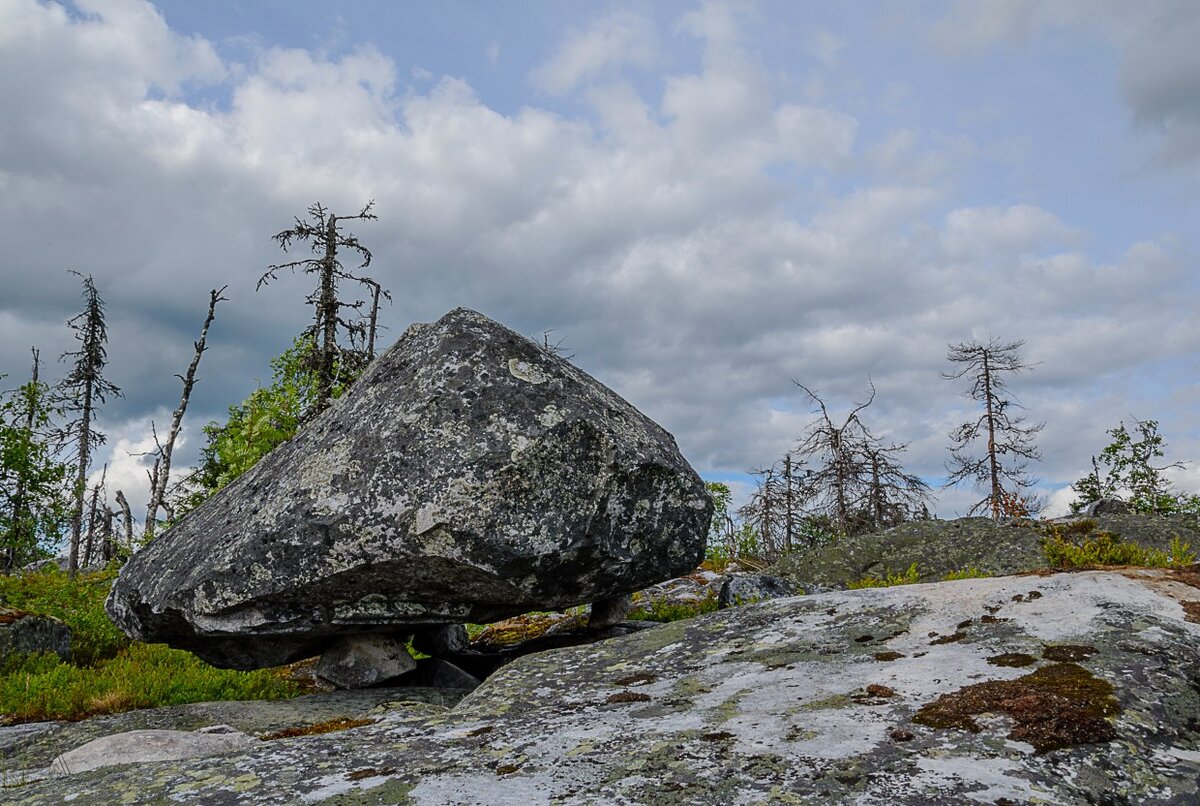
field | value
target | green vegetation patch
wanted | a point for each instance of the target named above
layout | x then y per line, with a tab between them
909	577
40	687
665	611
78	603
108	672
1081	544
1057	706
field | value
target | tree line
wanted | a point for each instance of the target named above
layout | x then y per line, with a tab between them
839	478
49	432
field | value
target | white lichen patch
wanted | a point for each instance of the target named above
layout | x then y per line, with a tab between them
526	371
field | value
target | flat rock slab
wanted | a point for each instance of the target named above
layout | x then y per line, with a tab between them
35	746
141	746
811	700
468	476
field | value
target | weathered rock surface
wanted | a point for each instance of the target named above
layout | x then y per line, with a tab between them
946	693
468	476
24	633
140	746
939	547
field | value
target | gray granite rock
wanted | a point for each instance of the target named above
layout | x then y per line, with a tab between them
361	661
468	476
742	589
445	639
1070	688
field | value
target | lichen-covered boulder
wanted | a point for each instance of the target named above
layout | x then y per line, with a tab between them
468	476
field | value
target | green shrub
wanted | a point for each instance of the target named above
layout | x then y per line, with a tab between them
970	572
40	687
909	577
78	603
1105	548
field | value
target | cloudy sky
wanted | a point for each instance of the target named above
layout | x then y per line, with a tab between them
704	201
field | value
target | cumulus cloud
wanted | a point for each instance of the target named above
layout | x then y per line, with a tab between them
655	234
612	41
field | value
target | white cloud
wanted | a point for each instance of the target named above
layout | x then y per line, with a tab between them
612	41
655	236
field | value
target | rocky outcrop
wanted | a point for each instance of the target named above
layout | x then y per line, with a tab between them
468	476
744	589
1066	688
942	547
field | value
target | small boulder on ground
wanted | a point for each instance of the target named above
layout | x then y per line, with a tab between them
23	633
360	661
468	476
743	589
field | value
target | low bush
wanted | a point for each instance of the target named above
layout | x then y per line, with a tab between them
909	577
970	572
1105	548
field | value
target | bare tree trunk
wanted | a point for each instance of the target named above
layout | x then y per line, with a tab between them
162	464
327	319
123	503
91	522
993	465
789	510
377	289
85	433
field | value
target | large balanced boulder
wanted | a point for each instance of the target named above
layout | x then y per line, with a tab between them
468	476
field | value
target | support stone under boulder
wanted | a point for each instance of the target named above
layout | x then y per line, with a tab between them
469	475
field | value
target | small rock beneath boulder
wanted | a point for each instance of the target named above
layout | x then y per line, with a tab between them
744	589
608	612
438	673
445	639
25	633
137	746
469	475
360	661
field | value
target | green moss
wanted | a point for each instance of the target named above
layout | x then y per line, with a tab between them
664	611
1057	706
970	572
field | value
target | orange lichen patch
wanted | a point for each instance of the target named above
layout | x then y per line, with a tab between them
10	614
331	726
628	696
1191	611
518	629
635	679
1054	707
1012	659
879	690
954	637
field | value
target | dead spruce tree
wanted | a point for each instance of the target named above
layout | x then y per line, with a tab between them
332	362
161	472
1009	445
81	392
855	480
